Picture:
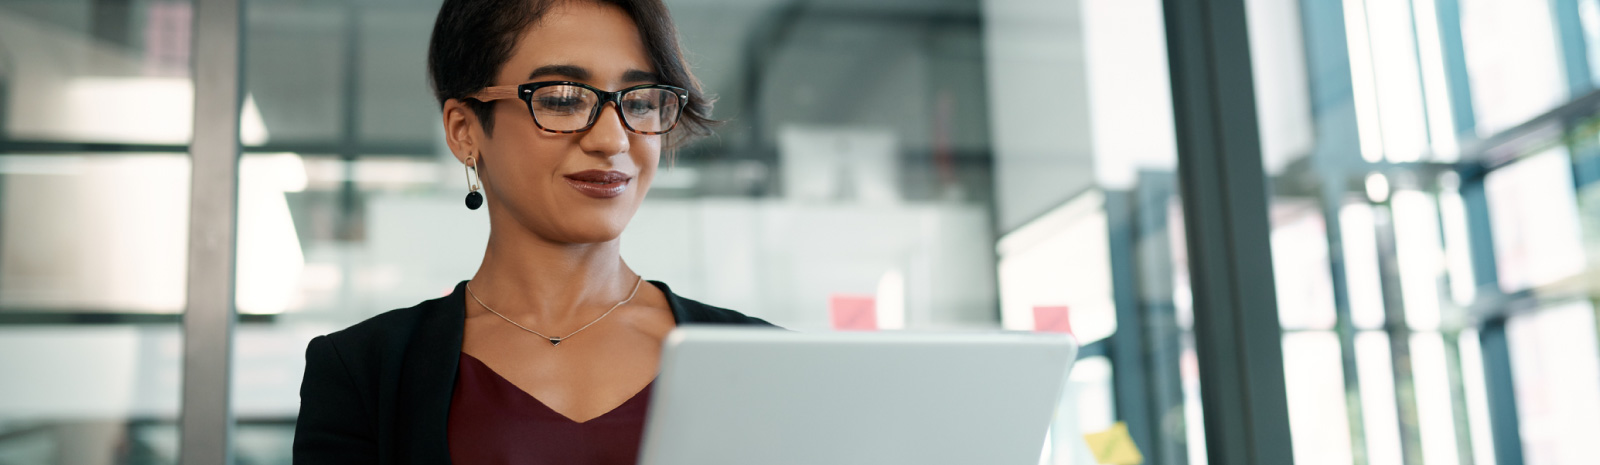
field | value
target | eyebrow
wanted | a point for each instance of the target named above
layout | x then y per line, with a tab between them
582	74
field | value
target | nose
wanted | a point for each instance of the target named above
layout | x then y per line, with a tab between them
608	137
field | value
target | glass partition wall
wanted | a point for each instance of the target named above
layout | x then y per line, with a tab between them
95	117
884	165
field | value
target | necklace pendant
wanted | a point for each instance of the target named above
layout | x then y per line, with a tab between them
555	341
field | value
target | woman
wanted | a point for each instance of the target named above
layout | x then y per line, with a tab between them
559	110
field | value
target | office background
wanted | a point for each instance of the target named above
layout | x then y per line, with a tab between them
1329	231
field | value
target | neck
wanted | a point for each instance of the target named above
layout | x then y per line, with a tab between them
534	280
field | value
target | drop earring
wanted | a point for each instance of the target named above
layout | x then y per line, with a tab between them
474	199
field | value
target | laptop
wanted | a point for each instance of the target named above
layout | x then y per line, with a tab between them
770	397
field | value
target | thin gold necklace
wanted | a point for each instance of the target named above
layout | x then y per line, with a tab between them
555	341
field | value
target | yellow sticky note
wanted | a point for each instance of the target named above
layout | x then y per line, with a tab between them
1114	446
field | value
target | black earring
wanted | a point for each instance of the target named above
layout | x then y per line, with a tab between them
474	199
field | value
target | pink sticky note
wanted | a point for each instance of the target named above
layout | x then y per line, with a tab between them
1051	319
853	312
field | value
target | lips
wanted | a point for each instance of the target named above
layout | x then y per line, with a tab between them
599	184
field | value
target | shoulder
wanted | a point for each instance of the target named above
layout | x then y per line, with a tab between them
356	377
717	315
690	311
385	335
382	329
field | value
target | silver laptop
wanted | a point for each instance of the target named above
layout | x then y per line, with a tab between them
771	397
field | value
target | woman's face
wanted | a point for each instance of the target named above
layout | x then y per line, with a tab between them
553	184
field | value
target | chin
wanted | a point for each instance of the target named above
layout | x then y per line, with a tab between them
589	233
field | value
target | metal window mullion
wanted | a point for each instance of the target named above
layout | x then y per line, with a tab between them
1458	398
1146	349
6	75
1455	63
348	227
1237	334
1332	199
1574	49
1504	422
206	423
1129	373
1164	351
1399	332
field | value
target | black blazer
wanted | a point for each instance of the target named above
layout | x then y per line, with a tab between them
379	391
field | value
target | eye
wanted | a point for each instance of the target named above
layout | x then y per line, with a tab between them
640	106
560	100
558	104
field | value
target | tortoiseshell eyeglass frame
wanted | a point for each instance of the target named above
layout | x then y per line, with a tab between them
525	93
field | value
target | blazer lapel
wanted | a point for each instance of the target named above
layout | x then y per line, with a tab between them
427	381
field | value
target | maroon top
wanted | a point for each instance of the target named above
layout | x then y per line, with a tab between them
495	422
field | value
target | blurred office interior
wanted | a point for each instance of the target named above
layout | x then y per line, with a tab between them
1427	172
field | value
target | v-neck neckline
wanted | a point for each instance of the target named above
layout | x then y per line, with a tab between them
501	379
415	423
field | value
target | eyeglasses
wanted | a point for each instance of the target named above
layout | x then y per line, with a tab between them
571	107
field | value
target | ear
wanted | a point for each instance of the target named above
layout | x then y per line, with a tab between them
461	130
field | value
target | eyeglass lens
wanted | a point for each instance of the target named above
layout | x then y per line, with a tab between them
570	108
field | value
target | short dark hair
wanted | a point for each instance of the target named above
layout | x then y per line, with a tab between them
473	39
